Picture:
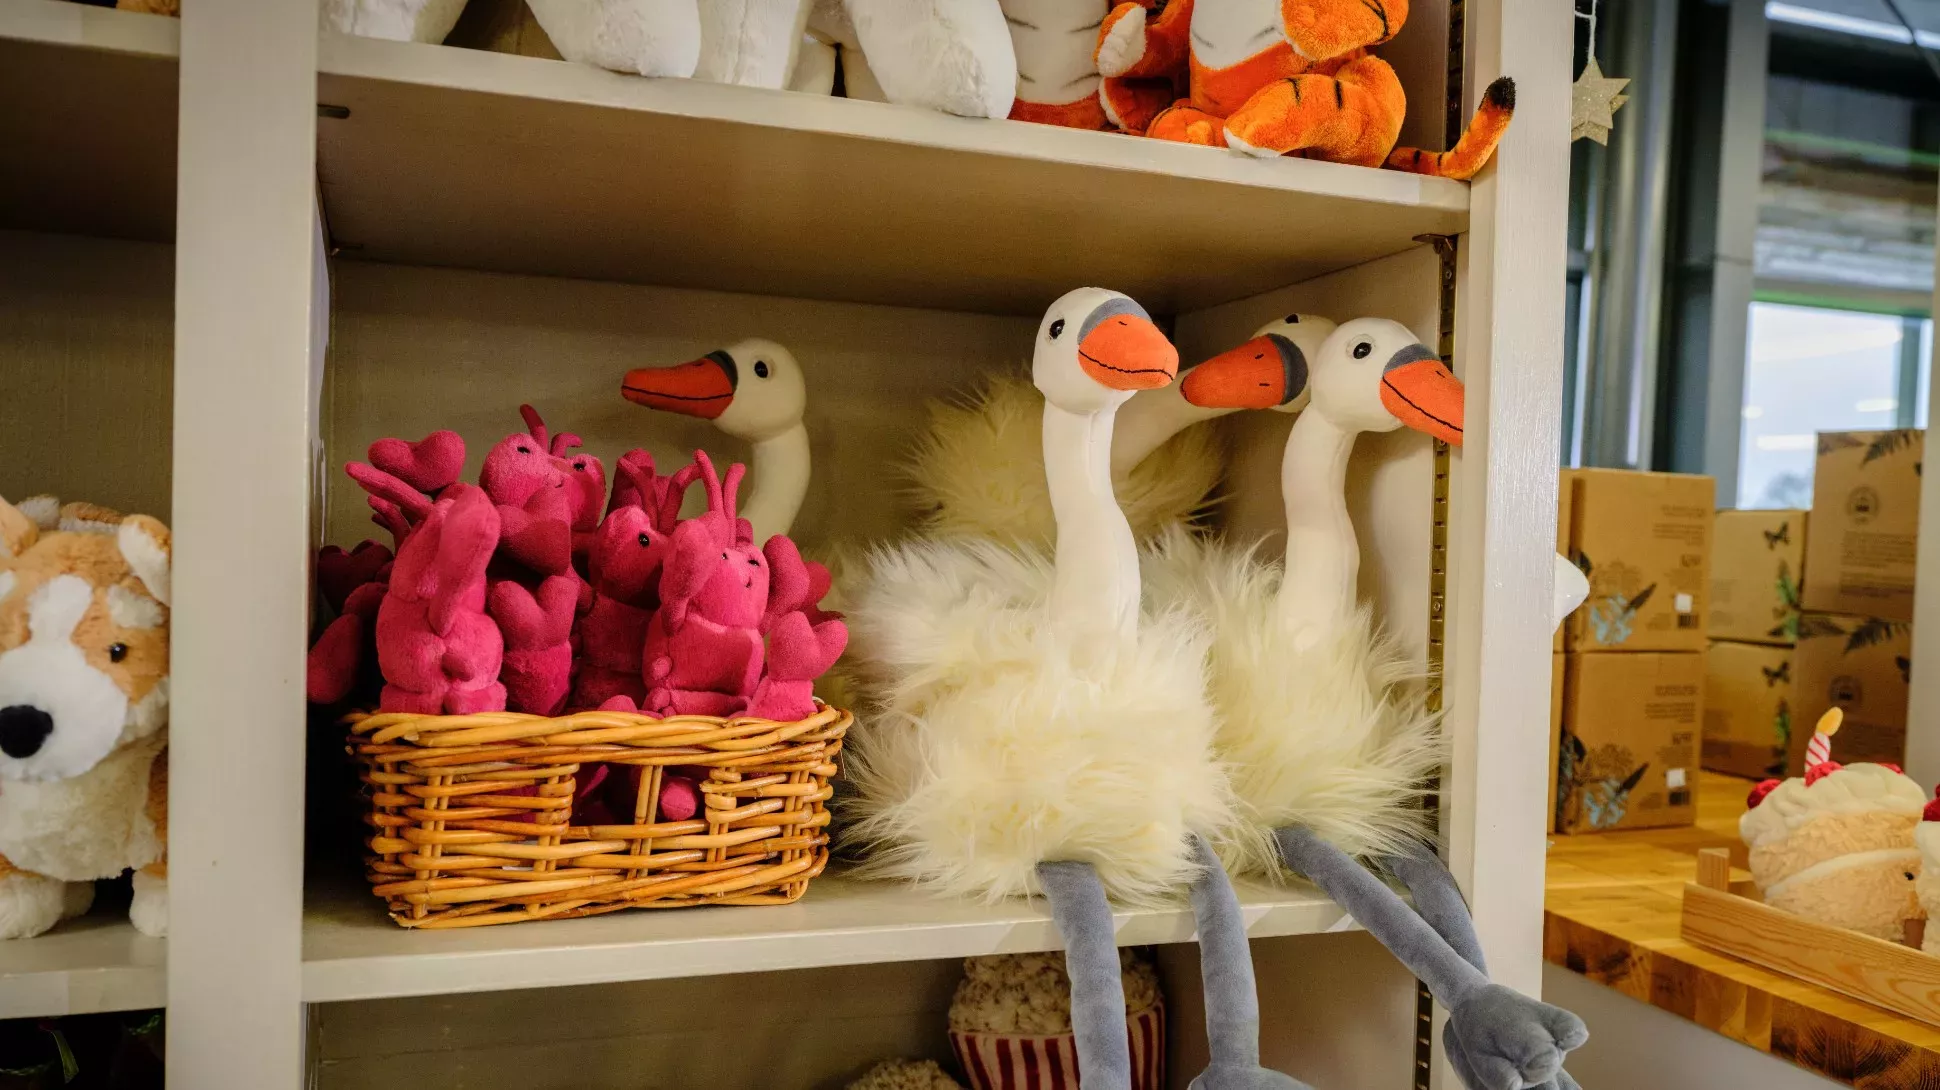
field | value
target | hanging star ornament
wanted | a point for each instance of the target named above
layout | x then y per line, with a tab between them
1594	100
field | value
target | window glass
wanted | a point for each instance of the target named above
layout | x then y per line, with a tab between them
1810	370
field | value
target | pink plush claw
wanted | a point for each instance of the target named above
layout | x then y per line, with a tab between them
437	648
429	465
680	798
334	660
798	653
339	572
537	625
381	485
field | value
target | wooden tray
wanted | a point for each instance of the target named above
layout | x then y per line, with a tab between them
1718	915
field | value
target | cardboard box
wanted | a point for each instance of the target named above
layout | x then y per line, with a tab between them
1629	754
1644	541
1565	491
1865	523
1555	735
1862	665
1748	702
1756	561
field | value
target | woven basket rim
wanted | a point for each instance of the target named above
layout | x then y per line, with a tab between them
614	727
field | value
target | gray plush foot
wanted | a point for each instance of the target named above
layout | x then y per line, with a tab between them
1439	901
1091	960
1232	994
1508	1041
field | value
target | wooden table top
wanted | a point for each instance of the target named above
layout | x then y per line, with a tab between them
1612	915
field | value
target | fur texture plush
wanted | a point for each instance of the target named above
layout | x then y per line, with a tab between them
949	55
398	20
979	470
83	713
988	748
643	37
752	43
1333	738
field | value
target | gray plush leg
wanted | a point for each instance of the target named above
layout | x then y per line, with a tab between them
1232	998
1091	959
1509	1041
1439	901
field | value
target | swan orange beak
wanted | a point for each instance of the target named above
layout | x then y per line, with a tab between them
1418	389
703	387
1128	352
1264	373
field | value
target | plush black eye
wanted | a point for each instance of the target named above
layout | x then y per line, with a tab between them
761	368
117	652
645	541
1909	876
1293	319
753	563
579	467
1057	328
1362	349
525	450
724	556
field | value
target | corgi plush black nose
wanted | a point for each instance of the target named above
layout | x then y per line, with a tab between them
23	729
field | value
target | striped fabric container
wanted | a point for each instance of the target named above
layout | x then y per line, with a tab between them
1009	1061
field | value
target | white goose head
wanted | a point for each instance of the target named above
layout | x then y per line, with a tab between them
752	389
1095	348
1288	343
1368	375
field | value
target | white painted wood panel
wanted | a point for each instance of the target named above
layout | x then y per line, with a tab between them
86	350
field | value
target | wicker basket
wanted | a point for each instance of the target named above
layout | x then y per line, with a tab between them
471	815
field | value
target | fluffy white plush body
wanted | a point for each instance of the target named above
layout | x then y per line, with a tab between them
949	55
992	743
979	469
642	37
398	20
1333	735
752	43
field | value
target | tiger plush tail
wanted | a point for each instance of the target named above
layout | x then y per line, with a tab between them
1471	153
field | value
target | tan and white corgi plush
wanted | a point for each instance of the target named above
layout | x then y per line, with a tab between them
83	712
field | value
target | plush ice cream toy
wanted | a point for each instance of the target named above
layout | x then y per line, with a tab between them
1837	844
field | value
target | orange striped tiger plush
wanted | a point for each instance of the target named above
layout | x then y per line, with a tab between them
1280	77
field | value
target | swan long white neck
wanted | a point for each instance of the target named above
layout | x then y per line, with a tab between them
780	470
1323	560
1149	419
1096	581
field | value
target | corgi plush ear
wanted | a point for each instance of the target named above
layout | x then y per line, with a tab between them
144	544
18	531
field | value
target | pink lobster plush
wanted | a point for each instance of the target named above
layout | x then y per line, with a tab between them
534	591
804	640
626	566
352	584
704	646
439	652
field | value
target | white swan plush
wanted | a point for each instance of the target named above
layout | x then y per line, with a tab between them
752	390
979	471
397	20
1328	741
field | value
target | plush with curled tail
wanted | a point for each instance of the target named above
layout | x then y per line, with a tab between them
83	718
1313	88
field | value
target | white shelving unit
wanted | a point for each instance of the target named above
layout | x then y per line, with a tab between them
503	228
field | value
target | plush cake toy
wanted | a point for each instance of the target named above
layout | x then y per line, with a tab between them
1837	844
1926	837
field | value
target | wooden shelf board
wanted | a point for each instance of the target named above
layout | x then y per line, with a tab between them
98	962
89	121
352	950
481	160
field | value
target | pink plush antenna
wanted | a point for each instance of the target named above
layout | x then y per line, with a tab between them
534	425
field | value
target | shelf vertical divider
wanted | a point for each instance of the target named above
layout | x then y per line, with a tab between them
1509	351
246	295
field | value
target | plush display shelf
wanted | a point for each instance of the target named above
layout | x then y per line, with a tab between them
436	155
351	950
89	120
96	963
1614	909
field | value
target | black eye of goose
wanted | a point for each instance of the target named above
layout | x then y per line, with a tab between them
646	542
1293	319
761	368
1057	329
117	652
1362	349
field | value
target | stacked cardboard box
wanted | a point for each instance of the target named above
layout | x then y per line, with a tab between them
1633	676
1856	630
1756	560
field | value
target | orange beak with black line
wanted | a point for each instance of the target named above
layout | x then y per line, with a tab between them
1264	373
1128	352
703	387
1418	389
